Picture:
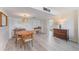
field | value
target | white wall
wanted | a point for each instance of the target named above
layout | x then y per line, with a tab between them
69	25
4	37
72	25
44	25
78	28
30	24
75	26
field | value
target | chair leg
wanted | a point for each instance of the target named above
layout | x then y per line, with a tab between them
32	43
16	42
24	46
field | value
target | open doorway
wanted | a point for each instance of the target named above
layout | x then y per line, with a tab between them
50	28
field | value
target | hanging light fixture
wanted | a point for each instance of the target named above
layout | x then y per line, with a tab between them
24	18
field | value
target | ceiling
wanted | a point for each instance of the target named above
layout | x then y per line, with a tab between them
63	10
17	11
38	14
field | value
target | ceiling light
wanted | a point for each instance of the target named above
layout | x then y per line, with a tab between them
22	14
24	18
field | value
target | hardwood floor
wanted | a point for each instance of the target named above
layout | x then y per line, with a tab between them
44	42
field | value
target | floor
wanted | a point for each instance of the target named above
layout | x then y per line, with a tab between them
44	42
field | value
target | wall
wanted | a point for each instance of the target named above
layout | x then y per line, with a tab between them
78	27
43	24
69	24
75	26
3	39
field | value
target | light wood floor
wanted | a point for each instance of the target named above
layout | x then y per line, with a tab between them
44	42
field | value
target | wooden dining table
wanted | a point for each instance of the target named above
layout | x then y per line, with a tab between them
24	35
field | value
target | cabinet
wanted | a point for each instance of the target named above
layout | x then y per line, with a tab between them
61	33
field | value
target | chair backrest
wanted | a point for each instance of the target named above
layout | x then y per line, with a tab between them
37	27
18	29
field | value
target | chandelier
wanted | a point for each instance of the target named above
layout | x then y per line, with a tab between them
24	18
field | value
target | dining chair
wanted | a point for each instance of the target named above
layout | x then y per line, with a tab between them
22	41
28	39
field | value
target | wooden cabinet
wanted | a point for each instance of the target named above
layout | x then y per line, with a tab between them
61	33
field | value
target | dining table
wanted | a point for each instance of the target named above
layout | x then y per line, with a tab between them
25	35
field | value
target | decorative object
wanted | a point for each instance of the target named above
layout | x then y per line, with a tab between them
61	22
60	26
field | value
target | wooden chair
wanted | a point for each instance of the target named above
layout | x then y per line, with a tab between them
37	29
22	40
19	40
28	39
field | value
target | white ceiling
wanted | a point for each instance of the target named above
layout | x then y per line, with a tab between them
63	10
38	14
15	11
